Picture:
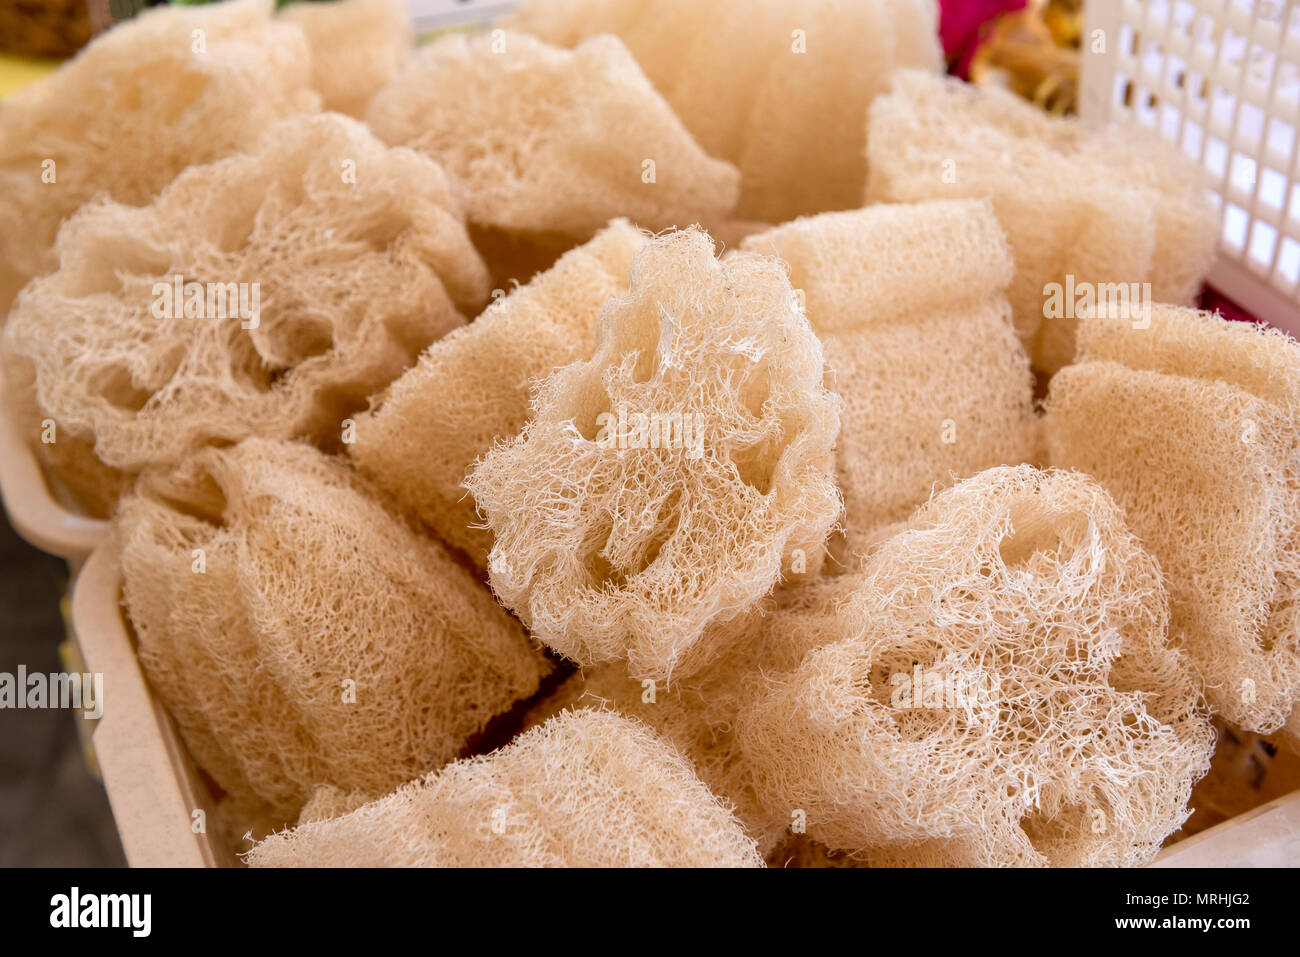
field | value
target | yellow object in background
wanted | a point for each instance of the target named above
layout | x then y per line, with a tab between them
18	71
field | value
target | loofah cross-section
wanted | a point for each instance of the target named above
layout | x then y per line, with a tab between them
665	485
300	635
586	789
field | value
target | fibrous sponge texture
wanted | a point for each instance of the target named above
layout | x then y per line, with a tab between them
665	485
471	388
357	46
301	635
546	140
908	302
173	87
585	789
1002	692
269	293
1117	205
1193	424
778	87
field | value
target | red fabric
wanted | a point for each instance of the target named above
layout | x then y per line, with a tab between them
961	25
1212	301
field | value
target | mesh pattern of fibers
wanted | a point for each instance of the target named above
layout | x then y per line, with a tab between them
309	583
614	541
1193	425
908	302
471	388
586	789
791	121
135	108
355	279
546	140
357	46
1067	732
1115	205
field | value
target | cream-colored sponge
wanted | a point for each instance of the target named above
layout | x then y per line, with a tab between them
546	140
173	87
778	87
301	635
1002	691
357	46
665	485
908	301
1193	424
586	789
1117	205
269	293
471	388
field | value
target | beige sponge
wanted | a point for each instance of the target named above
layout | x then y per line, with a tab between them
1002	692
471	388
175	86
1193	424
300	635
665	485
908	301
357	46
778	87
545	140
586	789
311	272
1117	205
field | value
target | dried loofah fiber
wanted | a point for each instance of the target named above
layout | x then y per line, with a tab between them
471	388
357	47
1051	722
550	141
138	106
778	87
323	642
586	789
908	302
1115	205
351	281
665	485
1193	424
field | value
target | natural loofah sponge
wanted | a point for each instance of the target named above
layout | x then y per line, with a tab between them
665	485
1002	692
908	302
471	388
301	635
323	263
357	46
778	87
173	87
586	789
1112	206
1193	424
545	140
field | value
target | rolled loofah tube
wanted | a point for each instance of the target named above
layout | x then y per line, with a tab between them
174	87
471	388
586	789
300	635
311	272
1193	424
665	486
1002	692
1117	205
543	140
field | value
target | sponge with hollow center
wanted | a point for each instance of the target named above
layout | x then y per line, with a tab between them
545	140
665	485
1193	424
301	635
312	271
586	789
471	388
1116	205
1002	694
